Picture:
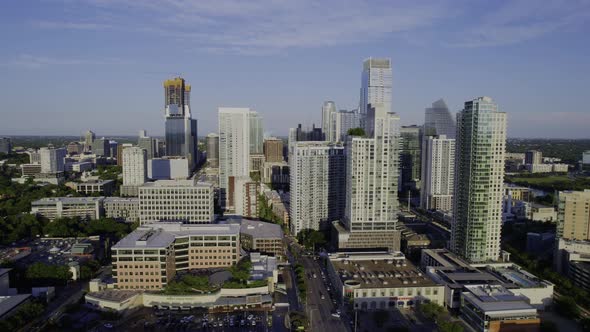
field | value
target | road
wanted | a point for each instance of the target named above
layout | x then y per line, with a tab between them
319	311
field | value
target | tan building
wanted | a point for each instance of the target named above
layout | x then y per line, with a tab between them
345	239
86	208
150	256
518	193
263	237
381	281
122	208
573	215
273	150
256	162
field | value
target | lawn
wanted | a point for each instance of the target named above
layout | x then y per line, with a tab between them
552	182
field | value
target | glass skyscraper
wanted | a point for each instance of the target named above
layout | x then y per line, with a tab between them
479	178
181	129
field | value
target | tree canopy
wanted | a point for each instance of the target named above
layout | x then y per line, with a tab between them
356	132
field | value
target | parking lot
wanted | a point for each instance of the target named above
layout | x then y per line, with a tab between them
194	320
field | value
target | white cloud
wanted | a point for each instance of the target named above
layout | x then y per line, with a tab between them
34	62
521	20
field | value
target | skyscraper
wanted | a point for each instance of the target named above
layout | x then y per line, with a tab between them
101	147
149	144
234	147
439	121
181	128
52	160
372	165
317	171
438	173
410	157
256	133
213	150
89	140
134	170
533	157
376	83
329	121
5	145
479	177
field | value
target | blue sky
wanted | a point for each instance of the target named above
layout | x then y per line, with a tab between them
70	65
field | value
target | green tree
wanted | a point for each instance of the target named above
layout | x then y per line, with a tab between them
448	326
567	307
356	132
431	311
311	238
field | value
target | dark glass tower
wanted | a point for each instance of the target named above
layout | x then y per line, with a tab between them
181	129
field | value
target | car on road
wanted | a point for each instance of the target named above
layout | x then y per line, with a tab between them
108	325
322	296
335	314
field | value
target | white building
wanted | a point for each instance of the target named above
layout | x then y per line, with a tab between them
234	146
134	169
317	180
372	173
59	207
52	160
438	171
479	178
122	208
176	200
329	122
376	82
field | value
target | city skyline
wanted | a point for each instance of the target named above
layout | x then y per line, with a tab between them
512	48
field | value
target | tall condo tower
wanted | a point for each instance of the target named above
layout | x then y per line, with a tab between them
479	177
329	121
376	82
234	148
181	128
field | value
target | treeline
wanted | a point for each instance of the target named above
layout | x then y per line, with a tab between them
265	212
569	150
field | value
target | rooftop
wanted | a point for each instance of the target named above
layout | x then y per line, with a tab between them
176	183
7	303
372	270
162	234
260	229
121	199
66	200
498	299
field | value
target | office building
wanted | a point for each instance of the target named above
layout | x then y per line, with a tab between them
479	179
494	308
113	148
74	148
547	168
533	157
79	166
277	174
149	144
120	149
256	133
30	169
573	215
372	175
101	147
234	146
34	156
301	134
439	121
456	275
89	138
318	183
100	187
5	145
410	158
121	208
572	259
52	160
376	84
329	122
213	150
181	128
150	256
438	173
134	170
273	150
86	208
187	201
347	120
262	237
380	281
168	168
